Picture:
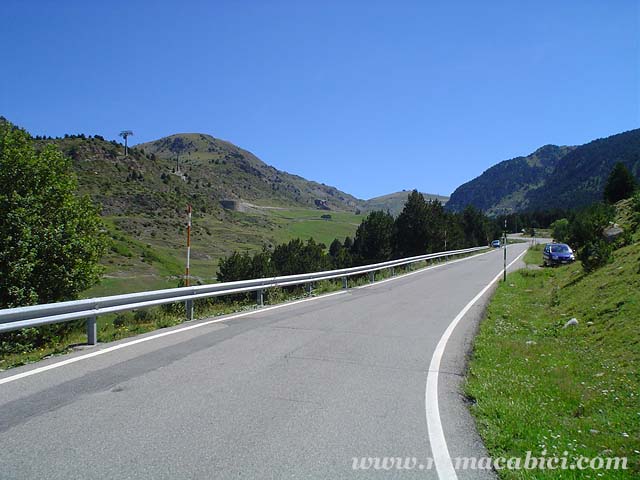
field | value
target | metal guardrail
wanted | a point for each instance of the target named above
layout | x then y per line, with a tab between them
38	315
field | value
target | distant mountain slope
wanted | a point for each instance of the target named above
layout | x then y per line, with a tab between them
229	172
504	186
394	202
566	177
143	198
580	176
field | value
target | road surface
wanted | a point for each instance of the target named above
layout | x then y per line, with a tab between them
292	392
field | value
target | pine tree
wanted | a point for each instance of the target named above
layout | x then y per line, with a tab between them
620	185
374	238
412	228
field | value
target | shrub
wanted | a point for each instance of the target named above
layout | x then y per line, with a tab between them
120	320
560	230
141	316
595	254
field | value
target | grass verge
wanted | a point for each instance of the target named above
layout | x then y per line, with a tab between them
536	386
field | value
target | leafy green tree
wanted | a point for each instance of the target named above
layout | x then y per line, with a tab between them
620	185
51	239
588	224
560	229
374	238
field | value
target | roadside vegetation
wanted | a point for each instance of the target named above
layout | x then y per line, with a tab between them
422	227
539	381
53	240
34	344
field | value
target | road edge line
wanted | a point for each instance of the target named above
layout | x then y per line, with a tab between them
435	432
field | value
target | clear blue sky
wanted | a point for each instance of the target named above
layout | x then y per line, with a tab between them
372	97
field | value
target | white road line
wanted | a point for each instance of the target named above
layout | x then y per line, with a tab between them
438	443
103	351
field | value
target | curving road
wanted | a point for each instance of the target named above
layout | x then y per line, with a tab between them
297	391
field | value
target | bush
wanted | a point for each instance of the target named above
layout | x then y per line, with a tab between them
595	254
588	225
29	339
141	316
635	205
120	320
560	230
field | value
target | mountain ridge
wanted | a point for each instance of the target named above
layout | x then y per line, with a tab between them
242	175
551	177
394	202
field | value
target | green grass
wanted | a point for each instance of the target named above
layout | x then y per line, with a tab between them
536	386
534	255
150	253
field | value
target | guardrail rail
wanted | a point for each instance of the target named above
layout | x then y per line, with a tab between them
45	314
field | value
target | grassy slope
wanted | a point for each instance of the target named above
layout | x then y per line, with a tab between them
541	387
140	260
143	203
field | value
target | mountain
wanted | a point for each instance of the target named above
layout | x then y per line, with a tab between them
239	203
551	177
504	187
394	202
227	172
580	176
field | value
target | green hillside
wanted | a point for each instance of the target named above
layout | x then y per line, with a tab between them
394	202
143	198
580	176
226	171
551	177
503	188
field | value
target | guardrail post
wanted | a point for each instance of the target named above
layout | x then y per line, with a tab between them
309	288
189	307
372	277
345	282
92	331
260	299
393	271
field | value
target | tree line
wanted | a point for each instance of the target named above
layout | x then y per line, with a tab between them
422	227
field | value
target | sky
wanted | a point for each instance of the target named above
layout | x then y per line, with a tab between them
371	97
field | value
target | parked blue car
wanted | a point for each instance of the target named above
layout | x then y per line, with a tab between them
557	253
495	244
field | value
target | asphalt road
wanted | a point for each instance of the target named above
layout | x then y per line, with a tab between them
292	392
